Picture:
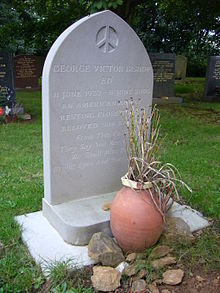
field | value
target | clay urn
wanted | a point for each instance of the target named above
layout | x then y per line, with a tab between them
135	221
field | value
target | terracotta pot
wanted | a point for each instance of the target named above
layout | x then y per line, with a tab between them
135	222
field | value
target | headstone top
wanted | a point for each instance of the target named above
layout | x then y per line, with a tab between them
83	79
180	67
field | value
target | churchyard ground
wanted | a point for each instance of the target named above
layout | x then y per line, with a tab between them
192	144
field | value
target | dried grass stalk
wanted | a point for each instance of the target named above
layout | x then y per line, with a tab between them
143	143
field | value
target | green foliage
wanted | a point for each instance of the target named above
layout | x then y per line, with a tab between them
35	25
203	252
190	88
183	27
59	272
65	279
18	272
104	5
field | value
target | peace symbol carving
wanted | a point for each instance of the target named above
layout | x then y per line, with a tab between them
107	39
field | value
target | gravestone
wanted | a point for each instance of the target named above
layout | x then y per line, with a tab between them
93	64
212	85
28	69
164	70
7	93
164	77
180	67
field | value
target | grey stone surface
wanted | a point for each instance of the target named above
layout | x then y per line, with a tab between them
193	218
164	74
180	67
78	220
212	85
93	64
46	245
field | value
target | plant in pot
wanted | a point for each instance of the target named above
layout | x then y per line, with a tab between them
138	211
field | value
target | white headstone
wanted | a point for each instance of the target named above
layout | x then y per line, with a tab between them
93	64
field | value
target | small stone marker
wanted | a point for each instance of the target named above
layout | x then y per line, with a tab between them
7	92
212	85
28	69
180	67
93	64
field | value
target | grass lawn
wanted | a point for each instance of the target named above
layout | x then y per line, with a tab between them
192	144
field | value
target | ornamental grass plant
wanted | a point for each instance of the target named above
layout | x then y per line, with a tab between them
143	145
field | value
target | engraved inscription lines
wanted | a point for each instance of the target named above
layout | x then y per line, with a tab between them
216	72
90	117
163	70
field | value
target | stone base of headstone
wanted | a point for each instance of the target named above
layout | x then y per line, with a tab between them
76	221
46	245
167	100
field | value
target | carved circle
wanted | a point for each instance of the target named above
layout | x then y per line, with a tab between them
107	39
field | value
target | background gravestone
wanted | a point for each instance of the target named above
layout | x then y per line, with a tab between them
212	85
93	64
7	93
164	70
28	70
180	67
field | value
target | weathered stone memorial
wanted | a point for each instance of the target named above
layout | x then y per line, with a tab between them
180	67
212	85
7	93
93	64
164	76
27	69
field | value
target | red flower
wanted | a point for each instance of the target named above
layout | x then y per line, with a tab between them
1	111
